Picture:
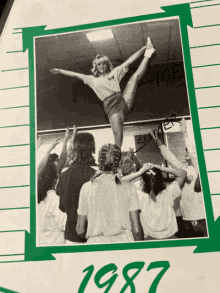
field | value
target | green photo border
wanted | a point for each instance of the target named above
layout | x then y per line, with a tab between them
33	253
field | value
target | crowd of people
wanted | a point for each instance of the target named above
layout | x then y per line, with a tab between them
118	199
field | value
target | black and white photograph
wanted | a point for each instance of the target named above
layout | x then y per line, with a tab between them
116	155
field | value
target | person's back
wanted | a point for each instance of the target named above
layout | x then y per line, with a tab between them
156	201
71	180
107	206
68	188
51	221
157	215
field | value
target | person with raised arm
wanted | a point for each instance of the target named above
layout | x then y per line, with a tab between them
44	160
105	83
191	203
51	221
108	206
69	157
156	201
54	158
192	153
80	170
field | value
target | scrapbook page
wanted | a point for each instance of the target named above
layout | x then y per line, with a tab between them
109	148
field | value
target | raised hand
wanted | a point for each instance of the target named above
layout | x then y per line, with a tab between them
74	130
183	127
154	134
67	133
55	143
55	71
146	167
74	133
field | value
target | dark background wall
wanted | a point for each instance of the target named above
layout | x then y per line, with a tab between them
160	94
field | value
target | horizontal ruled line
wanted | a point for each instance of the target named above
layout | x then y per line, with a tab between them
15	166
5	70
209	150
205	65
210	128
216	171
10	146
12	88
15	126
208	107
210	25
14	107
215	194
206	87
12	261
19	186
17	33
6	209
204	6
199	1
9	52
12	254
11	231
212	45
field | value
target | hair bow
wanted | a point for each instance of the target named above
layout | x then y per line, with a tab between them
151	172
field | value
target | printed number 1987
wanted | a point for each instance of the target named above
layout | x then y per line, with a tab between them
129	280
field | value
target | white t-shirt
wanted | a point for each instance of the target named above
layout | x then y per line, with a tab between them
192	203
158	218
51	221
104	87
107	205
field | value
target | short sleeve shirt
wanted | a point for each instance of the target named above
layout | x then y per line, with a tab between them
192	203
158	218
107	205
51	221
107	85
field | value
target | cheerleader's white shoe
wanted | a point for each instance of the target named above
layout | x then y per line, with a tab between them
150	48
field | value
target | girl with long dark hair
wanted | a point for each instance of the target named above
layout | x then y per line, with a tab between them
156	200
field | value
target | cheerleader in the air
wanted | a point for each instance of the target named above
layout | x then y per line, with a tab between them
105	83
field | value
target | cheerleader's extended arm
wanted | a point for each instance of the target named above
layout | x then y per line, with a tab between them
68	73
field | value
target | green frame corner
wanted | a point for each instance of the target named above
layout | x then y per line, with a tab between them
33	253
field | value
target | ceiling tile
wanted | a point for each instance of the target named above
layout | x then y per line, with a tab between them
108	48
77	44
128	33
162	50
127	49
175	27
157	26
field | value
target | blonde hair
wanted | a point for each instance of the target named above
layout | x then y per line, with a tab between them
94	69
